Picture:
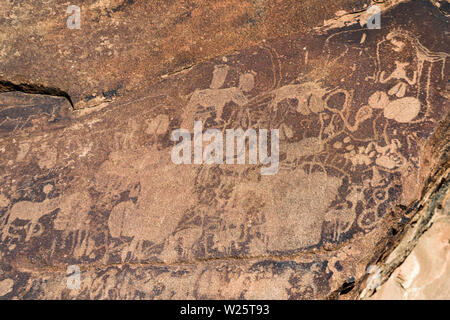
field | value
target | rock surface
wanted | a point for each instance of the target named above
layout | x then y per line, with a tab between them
357	112
425	274
124	45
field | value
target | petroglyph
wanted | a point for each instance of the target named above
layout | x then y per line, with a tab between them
3	201
308	97
355	111
402	110
6	286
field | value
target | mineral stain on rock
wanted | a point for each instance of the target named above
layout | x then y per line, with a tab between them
356	110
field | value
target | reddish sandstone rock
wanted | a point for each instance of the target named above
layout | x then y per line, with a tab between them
356	110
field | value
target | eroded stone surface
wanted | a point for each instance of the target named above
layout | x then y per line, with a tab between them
97	188
425	274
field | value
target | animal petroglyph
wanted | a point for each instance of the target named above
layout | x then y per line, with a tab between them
308	97
161	202
71	215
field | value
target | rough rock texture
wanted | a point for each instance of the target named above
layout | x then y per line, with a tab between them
425	274
362	116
